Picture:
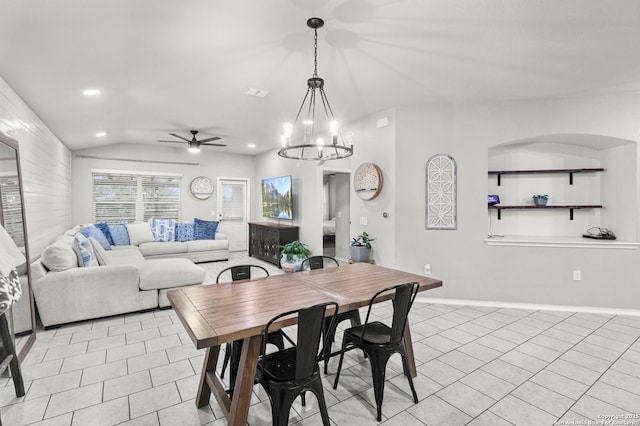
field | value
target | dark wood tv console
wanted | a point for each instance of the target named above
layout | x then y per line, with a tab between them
265	237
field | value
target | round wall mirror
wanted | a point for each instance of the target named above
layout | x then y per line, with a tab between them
201	187
367	181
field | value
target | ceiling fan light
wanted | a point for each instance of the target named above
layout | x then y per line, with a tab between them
194	147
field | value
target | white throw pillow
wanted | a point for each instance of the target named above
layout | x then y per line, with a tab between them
100	252
140	233
84	250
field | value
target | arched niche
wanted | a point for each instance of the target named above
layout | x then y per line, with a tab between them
615	188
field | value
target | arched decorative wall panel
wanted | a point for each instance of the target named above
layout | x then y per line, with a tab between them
441	192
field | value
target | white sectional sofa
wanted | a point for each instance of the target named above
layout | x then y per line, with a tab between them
134	278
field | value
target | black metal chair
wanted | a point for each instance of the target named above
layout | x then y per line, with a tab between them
286	374
317	262
379	341
243	272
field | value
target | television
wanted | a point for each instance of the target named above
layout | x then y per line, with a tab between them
276	198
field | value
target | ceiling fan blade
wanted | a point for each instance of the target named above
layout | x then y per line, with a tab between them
180	137
215	138
212	144
171	141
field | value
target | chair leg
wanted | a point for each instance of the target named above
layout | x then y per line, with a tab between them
405	366
327	340
344	347
318	391
303	398
227	357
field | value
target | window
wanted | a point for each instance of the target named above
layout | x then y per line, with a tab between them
128	197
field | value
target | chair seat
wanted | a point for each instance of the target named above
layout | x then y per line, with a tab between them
376	333
280	366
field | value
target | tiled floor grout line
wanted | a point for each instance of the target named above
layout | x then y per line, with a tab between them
603	373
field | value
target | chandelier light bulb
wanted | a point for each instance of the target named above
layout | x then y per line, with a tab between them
333	127
283	140
287	129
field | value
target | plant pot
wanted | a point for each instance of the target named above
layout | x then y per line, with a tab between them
540	201
294	265
359	253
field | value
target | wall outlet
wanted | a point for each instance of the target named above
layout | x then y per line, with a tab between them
577	275
363	220
427	269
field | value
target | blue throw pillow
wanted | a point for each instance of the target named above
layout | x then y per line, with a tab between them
204	229
120	235
105	230
84	250
184	231
163	229
92	231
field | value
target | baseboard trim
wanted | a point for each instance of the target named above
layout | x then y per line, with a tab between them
530	306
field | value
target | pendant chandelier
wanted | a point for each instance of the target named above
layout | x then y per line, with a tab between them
315	137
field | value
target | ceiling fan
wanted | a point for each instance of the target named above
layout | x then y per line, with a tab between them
194	144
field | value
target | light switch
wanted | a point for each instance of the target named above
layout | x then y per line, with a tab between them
339	214
363	220
213	213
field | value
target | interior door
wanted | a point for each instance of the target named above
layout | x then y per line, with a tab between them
233	208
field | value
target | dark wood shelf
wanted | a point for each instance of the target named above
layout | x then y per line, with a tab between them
570	172
571	208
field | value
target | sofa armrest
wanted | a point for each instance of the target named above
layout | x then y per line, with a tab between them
220	236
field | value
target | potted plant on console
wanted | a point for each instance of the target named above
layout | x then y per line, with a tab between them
360	249
292	255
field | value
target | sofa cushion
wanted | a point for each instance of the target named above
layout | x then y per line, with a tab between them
139	233
184	231
125	255
120	235
101	255
156	248
204	229
169	273
105	230
206	245
90	231
60	255
163	229
86	256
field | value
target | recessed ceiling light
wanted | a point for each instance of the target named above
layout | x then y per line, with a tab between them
101	134
254	91
91	92
252	145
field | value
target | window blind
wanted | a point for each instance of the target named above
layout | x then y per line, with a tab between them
120	197
12	208
233	201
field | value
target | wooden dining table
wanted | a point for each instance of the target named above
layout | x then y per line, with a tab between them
214	314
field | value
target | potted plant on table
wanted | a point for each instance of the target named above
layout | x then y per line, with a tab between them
360	248
292	255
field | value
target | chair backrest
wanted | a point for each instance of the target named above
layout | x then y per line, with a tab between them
310	321
317	262
402	301
240	272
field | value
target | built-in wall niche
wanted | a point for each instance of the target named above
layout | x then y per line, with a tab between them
611	182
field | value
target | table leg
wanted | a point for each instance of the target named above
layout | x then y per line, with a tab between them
244	382
409	345
208	369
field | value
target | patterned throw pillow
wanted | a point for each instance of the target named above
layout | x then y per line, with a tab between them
105	230
163	229
119	234
84	250
92	231
184	231
204	229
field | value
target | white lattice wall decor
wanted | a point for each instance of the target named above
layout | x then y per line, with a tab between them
441	192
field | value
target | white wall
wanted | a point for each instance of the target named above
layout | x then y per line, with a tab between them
46	171
209	164
469	268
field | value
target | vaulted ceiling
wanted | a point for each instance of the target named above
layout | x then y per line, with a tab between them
171	66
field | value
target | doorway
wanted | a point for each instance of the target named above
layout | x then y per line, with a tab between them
335	215
233	208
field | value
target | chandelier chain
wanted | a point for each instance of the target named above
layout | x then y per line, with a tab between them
315	53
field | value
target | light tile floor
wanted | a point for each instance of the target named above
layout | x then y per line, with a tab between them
476	366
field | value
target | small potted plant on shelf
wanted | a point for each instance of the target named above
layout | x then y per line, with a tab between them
360	248
292	255
540	200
